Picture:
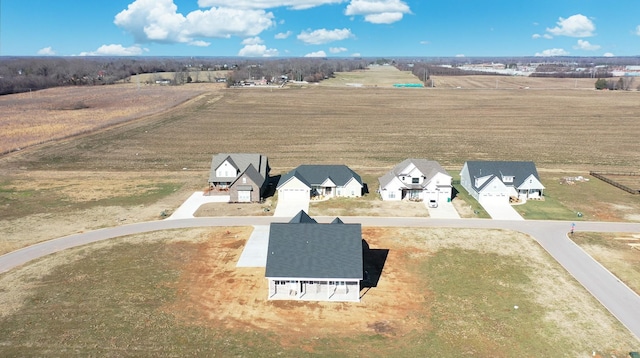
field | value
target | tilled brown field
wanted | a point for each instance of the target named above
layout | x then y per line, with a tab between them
369	128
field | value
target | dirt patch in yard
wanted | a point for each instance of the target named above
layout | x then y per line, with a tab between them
215	292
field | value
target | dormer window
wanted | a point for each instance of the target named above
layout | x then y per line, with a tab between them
507	179
415	180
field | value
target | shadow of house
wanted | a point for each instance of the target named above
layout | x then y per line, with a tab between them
373	261
272	183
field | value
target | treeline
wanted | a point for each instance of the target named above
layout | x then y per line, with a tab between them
293	69
23	74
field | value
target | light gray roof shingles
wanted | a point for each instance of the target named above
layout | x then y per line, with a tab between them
241	161
428	168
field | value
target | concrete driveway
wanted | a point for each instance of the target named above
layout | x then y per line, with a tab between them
443	211
502	211
255	250
290	207
191	205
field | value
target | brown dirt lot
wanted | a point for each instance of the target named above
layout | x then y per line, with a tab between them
218	292
212	291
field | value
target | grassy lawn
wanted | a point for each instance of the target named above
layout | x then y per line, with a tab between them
127	300
461	194
618	252
18	199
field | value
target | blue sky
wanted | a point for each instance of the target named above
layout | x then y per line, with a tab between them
325	28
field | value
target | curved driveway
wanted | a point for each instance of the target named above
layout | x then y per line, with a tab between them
619	299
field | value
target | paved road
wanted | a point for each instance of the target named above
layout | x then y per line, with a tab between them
621	301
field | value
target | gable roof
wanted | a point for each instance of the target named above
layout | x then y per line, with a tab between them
240	161
301	218
253	175
428	168
312	250
520	171
318	174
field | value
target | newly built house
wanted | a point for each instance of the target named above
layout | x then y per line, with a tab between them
418	180
492	182
309	261
325	181
242	176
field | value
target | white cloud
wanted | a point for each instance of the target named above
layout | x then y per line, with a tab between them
637	30
257	50
47	51
323	36
268	4
535	36
252	41
316	54
378	11
200	43
608	54
547	36
460	55
282	35
425	42
160	21
356	54
573	26
115	50
338	49
585	45
552	52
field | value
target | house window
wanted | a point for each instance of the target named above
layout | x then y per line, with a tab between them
244	180
415	180
392	194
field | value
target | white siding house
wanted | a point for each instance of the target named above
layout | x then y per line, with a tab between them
492	182
416	179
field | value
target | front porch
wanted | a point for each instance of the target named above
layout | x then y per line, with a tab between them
322	192
314	290
413	194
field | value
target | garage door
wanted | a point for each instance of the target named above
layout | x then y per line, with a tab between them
244	196
294	194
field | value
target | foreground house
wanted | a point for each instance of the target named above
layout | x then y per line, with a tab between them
309	261
416	179
491	182
320	181
242	176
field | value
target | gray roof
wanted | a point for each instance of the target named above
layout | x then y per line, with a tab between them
302	218
428	168
317	174
240	161
315	251
520	171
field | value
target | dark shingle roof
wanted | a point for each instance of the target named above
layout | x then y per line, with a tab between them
520	171
314	251
317	174
302	218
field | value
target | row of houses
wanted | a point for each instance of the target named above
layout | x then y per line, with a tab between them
309	261
246	178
